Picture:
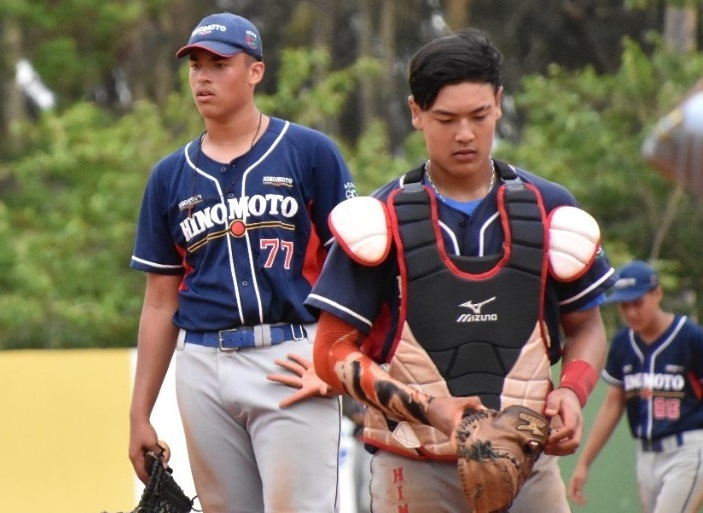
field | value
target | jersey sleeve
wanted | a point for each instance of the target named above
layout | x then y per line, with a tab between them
353	292
696	347
612	371
154	247
589	289
332	183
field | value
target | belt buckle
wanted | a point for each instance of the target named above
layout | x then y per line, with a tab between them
220	340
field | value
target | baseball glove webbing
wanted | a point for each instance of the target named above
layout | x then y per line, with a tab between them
496	452
162	494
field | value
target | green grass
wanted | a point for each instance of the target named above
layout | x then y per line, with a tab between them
611	486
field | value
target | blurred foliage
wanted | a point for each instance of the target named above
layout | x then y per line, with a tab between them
72	210
586	130
69	201
646	4
76	44
72	198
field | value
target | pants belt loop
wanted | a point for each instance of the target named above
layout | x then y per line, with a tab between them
262	336
181	340
293	331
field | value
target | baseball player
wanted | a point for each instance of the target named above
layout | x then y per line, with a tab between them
232	234
440	295
653	370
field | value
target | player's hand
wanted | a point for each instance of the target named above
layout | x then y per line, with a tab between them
445	413
564	409
302	376
142	439
577	484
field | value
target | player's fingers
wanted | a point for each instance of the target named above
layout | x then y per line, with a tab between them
566	432
561	440
139	465
559	433
286	379
470	405
577	497
325	390
294	398
143	438
300	360
551	407
164	450
575	486
291	366
561	447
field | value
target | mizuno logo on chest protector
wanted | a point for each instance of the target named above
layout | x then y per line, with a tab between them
472	315
476	314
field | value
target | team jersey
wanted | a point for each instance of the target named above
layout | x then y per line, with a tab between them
661	381
249	237
368	297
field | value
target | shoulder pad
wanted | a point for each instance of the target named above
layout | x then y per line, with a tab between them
361	225
574	240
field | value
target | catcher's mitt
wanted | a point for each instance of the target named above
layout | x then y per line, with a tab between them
496	452
162	494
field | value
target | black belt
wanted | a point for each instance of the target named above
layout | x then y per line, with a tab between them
263	335
662	444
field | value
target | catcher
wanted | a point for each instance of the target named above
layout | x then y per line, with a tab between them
444	298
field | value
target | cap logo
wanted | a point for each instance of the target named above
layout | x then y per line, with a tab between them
625	282
207	29
251	40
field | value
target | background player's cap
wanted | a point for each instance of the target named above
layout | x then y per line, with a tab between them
634	281
225	34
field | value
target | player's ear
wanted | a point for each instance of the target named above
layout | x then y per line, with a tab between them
499	102
256	71
658	294
415	112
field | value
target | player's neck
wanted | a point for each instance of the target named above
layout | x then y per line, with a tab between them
224	142
655	329
464	188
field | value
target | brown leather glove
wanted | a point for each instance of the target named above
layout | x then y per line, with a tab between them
496	452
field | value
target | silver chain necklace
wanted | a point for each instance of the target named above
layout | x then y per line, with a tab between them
434	188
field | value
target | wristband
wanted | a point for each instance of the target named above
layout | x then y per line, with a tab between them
579	376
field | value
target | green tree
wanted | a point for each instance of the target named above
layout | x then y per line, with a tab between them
70	203
586	130
68	221
69	199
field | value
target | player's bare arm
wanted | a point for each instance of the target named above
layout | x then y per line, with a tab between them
603	426
339	362
156	343
583	359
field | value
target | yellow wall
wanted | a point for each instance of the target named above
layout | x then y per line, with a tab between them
64	431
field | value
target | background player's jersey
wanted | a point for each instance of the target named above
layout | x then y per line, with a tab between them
662	381
240	231
368	297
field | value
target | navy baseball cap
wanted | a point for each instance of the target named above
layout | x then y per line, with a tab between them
225	34
634	281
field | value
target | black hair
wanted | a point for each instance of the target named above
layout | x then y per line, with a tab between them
465	56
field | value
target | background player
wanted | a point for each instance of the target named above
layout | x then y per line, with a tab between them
370	343
232	234
653	370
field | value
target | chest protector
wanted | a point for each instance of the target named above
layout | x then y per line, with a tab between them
471	325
